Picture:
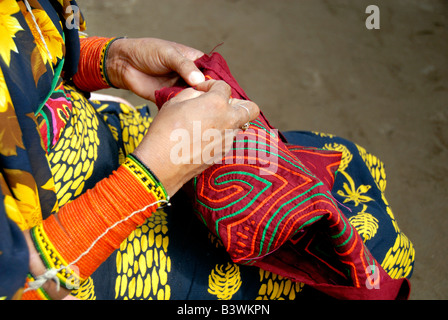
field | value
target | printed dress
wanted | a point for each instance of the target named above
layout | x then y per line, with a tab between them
56	143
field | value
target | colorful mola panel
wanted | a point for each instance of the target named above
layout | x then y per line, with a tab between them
271	205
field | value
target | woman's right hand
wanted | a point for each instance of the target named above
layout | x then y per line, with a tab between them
192	131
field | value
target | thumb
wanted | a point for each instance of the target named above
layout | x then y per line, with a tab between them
183	64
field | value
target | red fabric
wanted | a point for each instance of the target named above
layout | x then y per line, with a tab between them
322	163
282	217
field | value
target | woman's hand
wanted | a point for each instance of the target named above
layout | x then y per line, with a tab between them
146	65
192	131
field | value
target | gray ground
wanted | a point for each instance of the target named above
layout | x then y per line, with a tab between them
313	65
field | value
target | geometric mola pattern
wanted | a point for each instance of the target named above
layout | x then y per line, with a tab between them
270	203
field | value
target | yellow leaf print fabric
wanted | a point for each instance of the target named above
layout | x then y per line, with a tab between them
143	264
399	257
275	287
224	281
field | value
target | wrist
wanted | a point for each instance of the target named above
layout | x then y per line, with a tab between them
170	175
49	290
115	62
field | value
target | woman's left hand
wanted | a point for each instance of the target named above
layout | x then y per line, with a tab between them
148	64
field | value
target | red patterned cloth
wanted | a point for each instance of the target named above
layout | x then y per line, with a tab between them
271	205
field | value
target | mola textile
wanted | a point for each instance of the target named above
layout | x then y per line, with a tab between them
271	205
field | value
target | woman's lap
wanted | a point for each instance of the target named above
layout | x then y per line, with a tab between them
174	256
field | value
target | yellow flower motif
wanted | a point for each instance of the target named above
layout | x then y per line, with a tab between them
352	193
51	35
9	26
355	194
323	134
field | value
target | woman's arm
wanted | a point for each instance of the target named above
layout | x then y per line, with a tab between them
74	242
77	232
139	65
83	234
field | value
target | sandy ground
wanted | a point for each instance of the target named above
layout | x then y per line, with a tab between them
313	65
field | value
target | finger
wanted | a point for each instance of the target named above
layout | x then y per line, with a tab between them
141	83
217	87
188	52
244	111
186	94
180	61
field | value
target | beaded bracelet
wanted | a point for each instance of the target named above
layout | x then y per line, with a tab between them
37	294
104	59
52	260
146	176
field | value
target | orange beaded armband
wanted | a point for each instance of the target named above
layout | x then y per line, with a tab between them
81	236
92	73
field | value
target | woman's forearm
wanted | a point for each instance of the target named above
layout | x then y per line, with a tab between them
82	235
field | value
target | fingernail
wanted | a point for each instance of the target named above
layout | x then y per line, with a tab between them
196	77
